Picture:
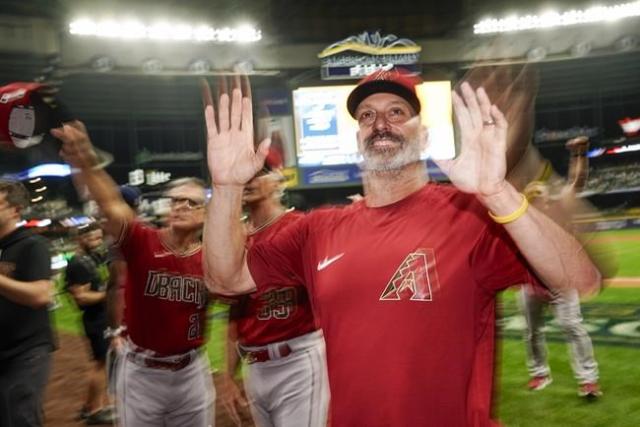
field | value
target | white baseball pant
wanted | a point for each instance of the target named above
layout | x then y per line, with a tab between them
151	397
291	391
566	309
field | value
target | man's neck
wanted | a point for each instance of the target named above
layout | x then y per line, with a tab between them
264	211
7	228
385	188
180	240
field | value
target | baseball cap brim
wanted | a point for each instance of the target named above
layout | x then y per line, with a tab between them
361	92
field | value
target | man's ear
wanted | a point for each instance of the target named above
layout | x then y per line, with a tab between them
424	138
17	212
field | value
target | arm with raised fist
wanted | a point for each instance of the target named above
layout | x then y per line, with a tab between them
578	163
78	151
232	161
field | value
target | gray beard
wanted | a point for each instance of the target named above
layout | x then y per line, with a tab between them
406	155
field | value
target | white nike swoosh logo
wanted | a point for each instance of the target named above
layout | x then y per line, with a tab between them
328	261
161	254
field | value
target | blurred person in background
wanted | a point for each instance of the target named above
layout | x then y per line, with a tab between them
404	283
557	201
274	330
514	89
86	280
163	374
25	291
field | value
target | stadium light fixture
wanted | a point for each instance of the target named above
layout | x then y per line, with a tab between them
152	66
581	49
243	67
626	43
200	66
131	29
553	19
47	169
103	64
537	54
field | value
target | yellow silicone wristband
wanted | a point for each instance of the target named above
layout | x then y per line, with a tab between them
513	215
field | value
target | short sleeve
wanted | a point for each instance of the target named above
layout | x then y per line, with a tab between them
280	259
39	265
77	273
132	239
498	264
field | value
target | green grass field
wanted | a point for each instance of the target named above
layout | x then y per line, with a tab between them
623	246
558	404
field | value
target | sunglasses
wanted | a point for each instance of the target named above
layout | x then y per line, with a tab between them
185	201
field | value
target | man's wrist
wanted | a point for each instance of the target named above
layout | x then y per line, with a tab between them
111	333
502	202
228	194
227	188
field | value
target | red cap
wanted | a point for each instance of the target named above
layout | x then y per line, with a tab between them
17	96
396	81
27	111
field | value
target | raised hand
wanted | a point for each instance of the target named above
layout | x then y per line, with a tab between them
512	88
480	168
77	149
231	155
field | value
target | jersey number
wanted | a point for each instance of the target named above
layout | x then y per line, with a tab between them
195	328
277	304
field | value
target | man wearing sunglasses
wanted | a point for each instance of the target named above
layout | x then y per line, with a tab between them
163	375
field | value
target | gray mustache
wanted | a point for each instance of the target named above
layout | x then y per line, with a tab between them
383	135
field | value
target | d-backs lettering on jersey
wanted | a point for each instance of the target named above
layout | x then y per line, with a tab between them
412	284
278	313
171	287
165	295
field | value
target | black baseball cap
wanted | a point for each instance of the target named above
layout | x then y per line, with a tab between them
395	80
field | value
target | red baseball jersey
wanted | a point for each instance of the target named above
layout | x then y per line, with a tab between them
405	295
274	313
165	296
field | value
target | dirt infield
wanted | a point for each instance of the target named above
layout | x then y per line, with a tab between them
67	385
614	239
623	282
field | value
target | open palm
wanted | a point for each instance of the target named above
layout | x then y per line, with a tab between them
231	155
480	168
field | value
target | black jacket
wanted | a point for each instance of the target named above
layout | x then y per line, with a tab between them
24	257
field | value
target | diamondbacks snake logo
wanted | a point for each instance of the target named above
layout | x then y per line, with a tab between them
415	279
